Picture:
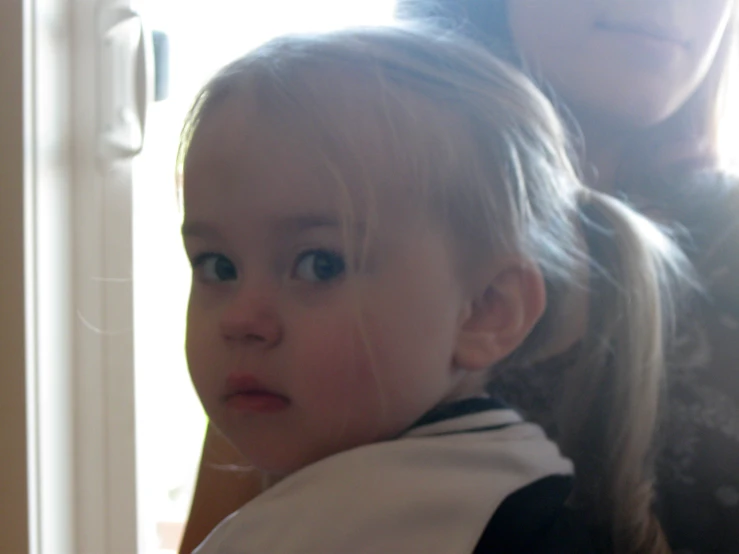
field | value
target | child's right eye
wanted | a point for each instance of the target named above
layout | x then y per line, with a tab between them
319	266
214	268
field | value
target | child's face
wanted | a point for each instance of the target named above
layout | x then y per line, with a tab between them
275	347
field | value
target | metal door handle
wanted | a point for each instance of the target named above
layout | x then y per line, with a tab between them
126	83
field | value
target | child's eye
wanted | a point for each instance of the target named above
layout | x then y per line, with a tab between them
214	268
318	266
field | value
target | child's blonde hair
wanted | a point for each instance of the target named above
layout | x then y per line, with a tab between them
491	155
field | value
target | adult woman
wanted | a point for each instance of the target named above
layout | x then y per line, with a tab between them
641	79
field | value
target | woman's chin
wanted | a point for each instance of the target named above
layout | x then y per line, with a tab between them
631	111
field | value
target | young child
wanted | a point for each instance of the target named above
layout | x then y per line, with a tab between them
377	221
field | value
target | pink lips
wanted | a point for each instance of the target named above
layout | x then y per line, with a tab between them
245	393
643	45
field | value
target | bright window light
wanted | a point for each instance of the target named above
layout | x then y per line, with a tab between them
729	124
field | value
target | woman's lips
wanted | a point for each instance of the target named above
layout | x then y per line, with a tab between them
644	30
245	393
643	45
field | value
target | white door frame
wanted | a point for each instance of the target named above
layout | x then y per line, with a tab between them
79	267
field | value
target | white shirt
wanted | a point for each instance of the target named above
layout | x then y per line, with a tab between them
431	491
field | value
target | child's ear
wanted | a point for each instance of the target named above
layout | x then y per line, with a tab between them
501	311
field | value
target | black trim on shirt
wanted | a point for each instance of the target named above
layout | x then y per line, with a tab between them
461	408
476	429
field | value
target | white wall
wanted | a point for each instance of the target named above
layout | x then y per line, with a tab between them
13	472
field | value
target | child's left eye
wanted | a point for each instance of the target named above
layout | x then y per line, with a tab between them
319	266
214	268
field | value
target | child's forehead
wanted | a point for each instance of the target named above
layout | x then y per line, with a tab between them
244	166
243	142
356	115
234	147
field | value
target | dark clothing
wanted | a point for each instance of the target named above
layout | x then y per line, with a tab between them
698	467
536	520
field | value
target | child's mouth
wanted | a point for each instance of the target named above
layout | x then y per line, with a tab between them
257	401
245	393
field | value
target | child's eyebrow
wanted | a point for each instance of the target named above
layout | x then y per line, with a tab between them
295	224
198	229
287	225
300	223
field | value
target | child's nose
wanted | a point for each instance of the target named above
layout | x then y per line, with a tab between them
253	317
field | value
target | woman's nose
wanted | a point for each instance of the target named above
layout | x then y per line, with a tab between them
252	317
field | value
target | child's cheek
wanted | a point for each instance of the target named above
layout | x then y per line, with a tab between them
201	349
337	372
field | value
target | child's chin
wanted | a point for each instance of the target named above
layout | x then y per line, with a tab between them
276	471
278	468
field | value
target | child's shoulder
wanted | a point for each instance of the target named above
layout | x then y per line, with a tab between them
433	490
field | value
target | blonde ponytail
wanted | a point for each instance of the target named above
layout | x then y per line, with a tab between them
611	405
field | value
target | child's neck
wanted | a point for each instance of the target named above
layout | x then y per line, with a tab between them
604	149
572	328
